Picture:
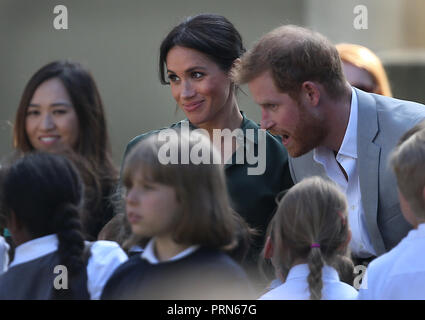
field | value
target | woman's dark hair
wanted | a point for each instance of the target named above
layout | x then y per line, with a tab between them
93	149
211	34
45	193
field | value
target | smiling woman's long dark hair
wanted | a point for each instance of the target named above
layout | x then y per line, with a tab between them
93	155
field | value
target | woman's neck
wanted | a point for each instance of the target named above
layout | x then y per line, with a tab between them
229	118
165	248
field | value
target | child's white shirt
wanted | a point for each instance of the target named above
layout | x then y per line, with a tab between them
4	255
296	286
105	257
400	273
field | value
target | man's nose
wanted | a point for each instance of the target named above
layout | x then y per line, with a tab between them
266	122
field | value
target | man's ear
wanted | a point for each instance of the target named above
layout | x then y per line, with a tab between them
268	249
310	93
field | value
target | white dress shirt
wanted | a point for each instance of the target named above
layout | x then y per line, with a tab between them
296	286
105	257
4	255
400	273
149	253
360	244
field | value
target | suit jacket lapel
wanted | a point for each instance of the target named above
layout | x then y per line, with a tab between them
368	165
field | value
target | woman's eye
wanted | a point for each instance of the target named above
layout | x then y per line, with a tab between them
173	77
33	112
60	111
197	75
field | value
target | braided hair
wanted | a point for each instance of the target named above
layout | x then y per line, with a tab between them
310	224
44	191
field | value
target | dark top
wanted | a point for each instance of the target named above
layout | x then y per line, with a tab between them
204	274
34	280
252	196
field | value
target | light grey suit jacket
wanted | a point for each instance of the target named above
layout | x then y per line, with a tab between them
381	122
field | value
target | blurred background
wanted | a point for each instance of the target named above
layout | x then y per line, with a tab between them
118	41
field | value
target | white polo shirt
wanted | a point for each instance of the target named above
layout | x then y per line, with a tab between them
296	286
360	244
4	255
400	273
149	253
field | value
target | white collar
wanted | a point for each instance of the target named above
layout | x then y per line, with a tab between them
349	143
301	271
419	232
35	249
149	253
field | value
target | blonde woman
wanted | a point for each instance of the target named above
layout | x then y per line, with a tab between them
363	69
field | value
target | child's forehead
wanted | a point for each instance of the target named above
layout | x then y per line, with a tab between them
143	173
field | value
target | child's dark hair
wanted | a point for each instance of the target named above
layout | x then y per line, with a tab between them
44	191
310	224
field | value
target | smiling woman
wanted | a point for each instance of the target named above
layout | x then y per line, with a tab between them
195	60
61	112
51	121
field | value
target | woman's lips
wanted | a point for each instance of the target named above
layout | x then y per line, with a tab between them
189	107
48	140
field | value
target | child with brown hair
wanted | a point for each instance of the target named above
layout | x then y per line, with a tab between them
183	210
400	273
308	234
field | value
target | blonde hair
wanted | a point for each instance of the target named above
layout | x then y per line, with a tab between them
310	224
206	217
364	58
408	163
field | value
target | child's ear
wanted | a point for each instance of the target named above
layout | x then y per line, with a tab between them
268	248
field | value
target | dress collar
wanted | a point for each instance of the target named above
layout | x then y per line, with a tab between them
35	249
301	271
149	253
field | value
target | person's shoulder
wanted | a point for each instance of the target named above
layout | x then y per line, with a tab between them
284	292
396	111
123	276
101	249
345	292
221	263
133	142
